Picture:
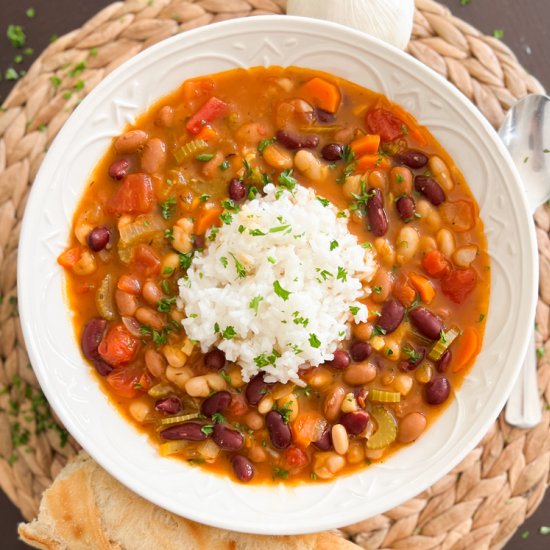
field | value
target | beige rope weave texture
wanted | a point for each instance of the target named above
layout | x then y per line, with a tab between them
482	501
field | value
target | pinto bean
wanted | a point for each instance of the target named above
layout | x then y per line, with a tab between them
381	285
148	316
430	189
279	432
359	374
333	402
391	316
155	362
130	141
411	426
401	181
426	322
165	117
153	156
126	304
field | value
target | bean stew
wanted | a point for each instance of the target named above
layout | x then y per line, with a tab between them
159	196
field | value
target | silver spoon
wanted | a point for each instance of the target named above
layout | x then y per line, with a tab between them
526	133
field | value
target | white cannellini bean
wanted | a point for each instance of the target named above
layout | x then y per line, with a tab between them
386	253
465	255
340	439
441	173
406	244
139	409
310	165
445	242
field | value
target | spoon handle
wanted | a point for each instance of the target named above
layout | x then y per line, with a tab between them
523	407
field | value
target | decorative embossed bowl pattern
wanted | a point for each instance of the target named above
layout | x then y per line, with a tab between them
67	380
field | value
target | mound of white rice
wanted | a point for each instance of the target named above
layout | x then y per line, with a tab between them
278	285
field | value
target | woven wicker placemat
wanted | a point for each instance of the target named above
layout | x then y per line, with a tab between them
483	500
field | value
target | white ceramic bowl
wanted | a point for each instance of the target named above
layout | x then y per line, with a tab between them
67	380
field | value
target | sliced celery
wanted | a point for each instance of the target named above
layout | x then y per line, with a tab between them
384	396
180	418
173	447
104	298
190	149
441	346
387	428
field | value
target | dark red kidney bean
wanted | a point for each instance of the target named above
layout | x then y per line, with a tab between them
341	359
437	391
391	315
411	158
214	359
98	238
216	403
332	152
256	389
376	196
243	468
168	405
119	169
376	216
324	116
102	368
405	207
279	432
430	189
236	190
360	351
324	443
190	431
226	438
355	422
294	141
444	361
426	322
91	337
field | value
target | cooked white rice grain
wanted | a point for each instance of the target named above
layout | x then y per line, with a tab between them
278	286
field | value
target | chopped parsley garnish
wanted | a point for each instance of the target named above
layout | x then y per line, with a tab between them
280	291
77	69
213	232
257	233
229	204
367	246
263	360
279	228
167	207
242	229
348	154
226	218
165	285
333	245
314	342
224	165
280	473
354	309
204	157
226	377
255	303
498	33
377	330
229	333
342	274
207	429
169	234
252	192
165	303
219	418
247	168
412	355
298	320
30	13
55	80
442	337
323	201
271	260
204	197
16	35
186	259
286	179
540	352
224	261
241	271
399	178
11	74
168	270
481	317
264	143
285	411
377	289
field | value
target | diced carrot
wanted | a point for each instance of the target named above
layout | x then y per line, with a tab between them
197	88
70	257
209	217
207	133
403	290
435	264
416	132
366	144
322	94
372	162
466	350
424	287
304	428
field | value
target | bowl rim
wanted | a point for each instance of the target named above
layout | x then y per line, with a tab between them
24	277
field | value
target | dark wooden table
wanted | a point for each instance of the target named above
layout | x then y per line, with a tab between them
526	27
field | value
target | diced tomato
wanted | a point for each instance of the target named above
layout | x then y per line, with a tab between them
384	123
69	257
129	284
458	284
118	346
403	290
238	405
295	458
146	260
213	109
134	196
129	381
435	264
